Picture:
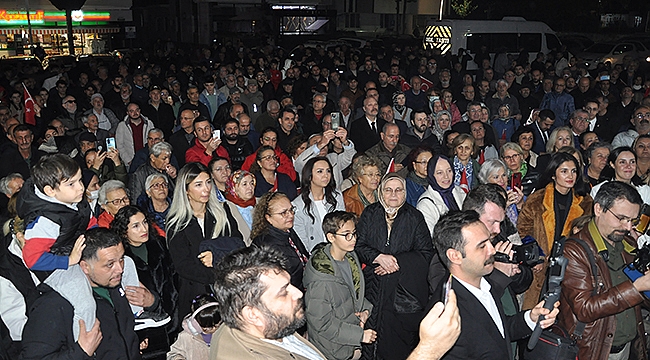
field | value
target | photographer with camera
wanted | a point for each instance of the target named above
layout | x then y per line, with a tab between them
605	320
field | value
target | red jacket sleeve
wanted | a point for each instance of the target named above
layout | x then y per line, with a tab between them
286	166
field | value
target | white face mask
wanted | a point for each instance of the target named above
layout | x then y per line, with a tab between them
94	195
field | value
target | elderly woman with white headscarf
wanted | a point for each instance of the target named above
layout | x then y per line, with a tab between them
395	244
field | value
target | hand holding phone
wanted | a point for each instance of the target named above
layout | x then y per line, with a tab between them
216	134
515	181
110	143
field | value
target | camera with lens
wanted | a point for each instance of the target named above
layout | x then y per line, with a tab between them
639	266
529	253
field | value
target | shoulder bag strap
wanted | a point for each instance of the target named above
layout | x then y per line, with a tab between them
580	327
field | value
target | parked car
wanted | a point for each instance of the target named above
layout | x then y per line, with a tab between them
66	61
613	53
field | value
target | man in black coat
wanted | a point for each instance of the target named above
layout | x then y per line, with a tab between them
464	245
419	134
112	336
21	156
183	138
161	114
364	131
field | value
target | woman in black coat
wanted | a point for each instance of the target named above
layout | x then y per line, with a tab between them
273	226
394	243
152	261
196	216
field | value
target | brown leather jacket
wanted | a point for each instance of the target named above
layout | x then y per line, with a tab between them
352	201
598	311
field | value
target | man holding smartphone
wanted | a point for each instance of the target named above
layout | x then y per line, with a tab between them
464	244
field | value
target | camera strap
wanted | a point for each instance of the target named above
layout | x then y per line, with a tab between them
580	326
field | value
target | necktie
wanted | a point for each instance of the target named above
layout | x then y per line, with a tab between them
374	127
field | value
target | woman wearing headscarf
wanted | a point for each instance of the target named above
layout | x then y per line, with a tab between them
441	123
395	245
441	195
240	198
400	110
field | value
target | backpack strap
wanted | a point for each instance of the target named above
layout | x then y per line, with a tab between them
580	326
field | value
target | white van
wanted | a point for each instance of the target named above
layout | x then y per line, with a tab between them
511	33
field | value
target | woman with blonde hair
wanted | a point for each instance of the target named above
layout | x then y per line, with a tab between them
196	215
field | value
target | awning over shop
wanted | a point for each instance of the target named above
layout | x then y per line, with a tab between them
75	30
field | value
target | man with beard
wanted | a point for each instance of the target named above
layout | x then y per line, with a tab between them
261	312
419	133
385	88
611	312
463	243
260	309
112	335
238	147
641	121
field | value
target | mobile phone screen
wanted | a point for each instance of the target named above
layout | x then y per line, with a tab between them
110	143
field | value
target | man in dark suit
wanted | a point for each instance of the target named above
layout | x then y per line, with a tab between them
463	243
541	127
364	131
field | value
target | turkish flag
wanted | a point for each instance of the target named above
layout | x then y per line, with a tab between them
463	182
30	115
426	84
391	166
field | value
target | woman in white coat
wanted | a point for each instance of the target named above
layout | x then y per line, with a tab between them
441	195
318	198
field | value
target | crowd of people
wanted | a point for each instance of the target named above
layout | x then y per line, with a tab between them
221	205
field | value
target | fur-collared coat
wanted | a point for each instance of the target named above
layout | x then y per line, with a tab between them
537	219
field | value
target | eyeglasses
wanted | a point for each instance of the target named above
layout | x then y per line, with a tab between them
70	102
157	186
423	162
116	202
513	157
348	236
269	139
285	213
624	219
641	116
393	191
269	157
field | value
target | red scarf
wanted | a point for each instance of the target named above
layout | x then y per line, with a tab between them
238	201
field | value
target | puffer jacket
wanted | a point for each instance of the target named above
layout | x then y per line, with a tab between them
597	311
331	304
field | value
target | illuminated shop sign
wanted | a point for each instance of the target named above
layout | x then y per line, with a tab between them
40	17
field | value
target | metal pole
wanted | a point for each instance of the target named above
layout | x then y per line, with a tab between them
29	28
68	21
441	5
